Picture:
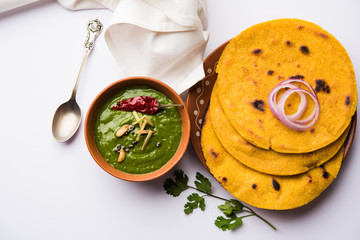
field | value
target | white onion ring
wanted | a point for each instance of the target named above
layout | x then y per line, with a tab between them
300	81
298	125
292	121
272	101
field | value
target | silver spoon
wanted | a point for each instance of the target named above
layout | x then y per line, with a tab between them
67	117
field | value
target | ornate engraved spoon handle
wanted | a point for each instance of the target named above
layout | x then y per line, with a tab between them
94	28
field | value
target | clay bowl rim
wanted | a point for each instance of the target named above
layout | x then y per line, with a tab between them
109	91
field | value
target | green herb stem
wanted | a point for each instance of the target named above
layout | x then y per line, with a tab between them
250	215
263	219
208	194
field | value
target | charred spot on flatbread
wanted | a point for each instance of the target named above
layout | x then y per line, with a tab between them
259	105
288	43
275	185
310	178
257	51
254	186
323	35
347	101
325	173
304	49
213	153
321	85
297	77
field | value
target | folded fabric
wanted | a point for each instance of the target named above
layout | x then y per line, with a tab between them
89	4
6	5
162	39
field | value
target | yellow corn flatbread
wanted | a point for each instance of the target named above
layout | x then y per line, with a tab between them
263	190
264	55
262	160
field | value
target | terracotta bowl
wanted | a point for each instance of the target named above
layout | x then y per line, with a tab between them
111	90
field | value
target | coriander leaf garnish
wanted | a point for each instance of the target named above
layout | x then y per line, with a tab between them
230	208
203	184
176	188
228	223
195	201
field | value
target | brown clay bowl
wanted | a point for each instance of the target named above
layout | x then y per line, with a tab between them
111	90
199	97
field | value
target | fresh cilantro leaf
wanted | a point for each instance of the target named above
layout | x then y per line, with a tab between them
231	206
228	223
195	201
176	188
202	183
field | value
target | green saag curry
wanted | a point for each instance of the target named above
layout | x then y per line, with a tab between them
162	145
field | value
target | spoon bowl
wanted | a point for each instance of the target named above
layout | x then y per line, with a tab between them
66	121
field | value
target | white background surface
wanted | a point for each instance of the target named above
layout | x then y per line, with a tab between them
50	190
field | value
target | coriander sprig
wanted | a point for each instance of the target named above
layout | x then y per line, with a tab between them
230	208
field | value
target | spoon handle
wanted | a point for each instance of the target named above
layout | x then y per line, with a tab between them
94	28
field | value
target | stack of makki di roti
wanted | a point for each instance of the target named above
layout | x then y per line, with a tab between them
279	114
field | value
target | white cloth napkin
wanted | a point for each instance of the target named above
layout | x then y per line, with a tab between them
162	39
6	5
